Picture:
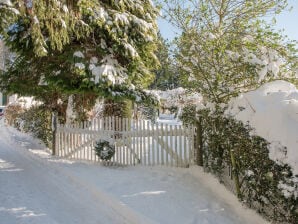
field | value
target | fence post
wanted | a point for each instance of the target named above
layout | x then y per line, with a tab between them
54	131
199	142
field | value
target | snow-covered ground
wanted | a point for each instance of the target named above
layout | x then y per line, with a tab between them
38	188
273	111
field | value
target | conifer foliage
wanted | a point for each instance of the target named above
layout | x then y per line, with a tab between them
103	47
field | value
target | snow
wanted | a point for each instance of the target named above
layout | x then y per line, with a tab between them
287	190
122	18
177	97
39	188
142	24
42	81
6	2
78	54
102	14
63	23
273	111
252	59
109	70
65	9
94	60
132	51
25	102
103	44
35	19
268	61
168	119
80	66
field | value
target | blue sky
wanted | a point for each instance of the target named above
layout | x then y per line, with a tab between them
287	21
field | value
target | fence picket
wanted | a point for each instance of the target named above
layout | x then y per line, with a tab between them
181	150
141	127
118	145
190	144
63	141
70	139
155	135
133	156
176	146
167	143
172	145
148	143
58	139
128	142
184	148
137	141
121	144
152	144
161	150
91	145
97	121
144	143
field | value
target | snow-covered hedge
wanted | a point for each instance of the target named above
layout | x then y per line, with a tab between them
272	110
261	182
259	129
37	121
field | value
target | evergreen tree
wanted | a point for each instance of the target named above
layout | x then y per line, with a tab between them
92	47
166	76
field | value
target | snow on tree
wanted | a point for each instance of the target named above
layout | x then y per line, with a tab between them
225	48
86	46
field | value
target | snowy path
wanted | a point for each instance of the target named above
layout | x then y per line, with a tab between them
36	188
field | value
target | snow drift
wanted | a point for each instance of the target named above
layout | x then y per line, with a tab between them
272	110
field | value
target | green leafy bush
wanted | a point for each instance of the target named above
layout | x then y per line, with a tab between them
188	115
37	120
266	185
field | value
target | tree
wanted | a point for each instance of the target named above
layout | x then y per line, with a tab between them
91	47
166	76
226	48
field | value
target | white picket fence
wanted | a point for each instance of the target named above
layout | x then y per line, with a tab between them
135	141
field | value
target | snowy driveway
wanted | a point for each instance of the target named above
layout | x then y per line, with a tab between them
36	188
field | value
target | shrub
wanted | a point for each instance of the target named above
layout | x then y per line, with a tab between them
12	113
266	185
37	120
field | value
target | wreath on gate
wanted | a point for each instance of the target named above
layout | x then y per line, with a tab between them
104	150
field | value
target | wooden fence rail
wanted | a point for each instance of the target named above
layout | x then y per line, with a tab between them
135	142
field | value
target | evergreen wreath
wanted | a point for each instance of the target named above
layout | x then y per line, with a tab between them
104	150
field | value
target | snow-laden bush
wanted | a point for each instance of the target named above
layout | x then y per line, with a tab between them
12	113
267	185
37	120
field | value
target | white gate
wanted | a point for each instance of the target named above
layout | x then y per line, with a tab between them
135	141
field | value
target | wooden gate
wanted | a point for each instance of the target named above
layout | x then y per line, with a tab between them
135	141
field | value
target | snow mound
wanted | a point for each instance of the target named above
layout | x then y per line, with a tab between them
272	110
